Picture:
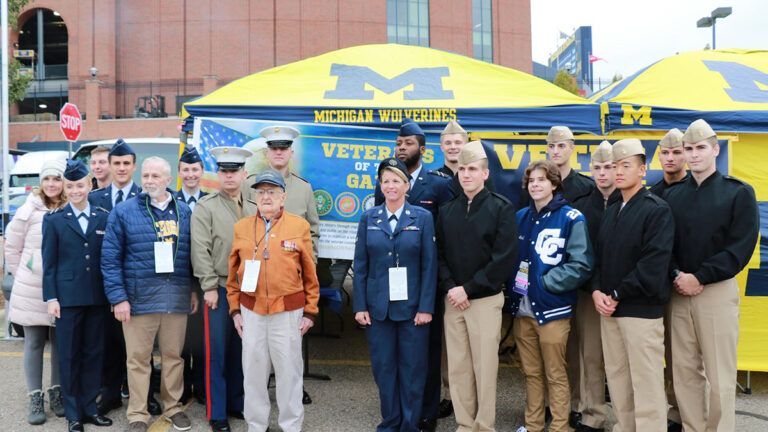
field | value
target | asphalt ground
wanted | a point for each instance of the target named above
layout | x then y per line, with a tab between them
348	402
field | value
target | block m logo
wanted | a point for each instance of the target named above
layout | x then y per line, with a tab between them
427	83
641	116
744	81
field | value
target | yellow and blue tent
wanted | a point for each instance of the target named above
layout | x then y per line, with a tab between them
728	88
378	85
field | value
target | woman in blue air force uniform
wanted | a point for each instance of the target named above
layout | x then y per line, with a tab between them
394	295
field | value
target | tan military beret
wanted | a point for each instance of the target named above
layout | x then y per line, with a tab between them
472	152
625	148
559	134
603	153
699	130
453	128
673	138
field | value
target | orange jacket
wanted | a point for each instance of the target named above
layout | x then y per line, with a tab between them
287	280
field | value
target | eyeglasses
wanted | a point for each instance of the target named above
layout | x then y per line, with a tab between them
269	192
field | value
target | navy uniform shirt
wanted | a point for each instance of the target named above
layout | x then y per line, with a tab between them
717	226
429	191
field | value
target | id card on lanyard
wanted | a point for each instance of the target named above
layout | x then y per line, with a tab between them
165	255
398	283
521	279
250	276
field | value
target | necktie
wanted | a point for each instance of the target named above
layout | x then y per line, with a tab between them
119	197
84	222
392	222
191	200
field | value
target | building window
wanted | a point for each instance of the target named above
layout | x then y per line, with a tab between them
408	22
481	30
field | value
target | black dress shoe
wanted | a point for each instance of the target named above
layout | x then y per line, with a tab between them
574	419
107	406
427	424
98	420
219	425
153	406
75	426
306	399
445	409
674	426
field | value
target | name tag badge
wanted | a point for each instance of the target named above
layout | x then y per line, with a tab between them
163	257
250	276
521	279
398	283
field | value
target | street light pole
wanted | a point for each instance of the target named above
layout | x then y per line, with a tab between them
710	21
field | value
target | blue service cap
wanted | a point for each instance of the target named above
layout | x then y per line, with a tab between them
75	170
409	127
394	163
269	176
190	155
121	148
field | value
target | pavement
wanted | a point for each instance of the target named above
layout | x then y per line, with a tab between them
348	402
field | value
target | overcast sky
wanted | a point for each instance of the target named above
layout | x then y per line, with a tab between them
632	35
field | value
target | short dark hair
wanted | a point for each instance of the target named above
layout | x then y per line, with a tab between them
422	140
552	173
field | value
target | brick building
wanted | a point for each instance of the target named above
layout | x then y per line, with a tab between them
150	56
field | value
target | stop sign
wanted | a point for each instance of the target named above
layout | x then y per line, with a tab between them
70	122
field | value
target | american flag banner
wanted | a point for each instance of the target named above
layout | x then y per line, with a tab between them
213	134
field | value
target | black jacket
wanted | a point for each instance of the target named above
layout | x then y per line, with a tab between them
593	207
634	247
575	187
476	244
661	186
717	227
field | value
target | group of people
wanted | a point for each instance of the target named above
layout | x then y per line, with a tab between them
607	281
113	275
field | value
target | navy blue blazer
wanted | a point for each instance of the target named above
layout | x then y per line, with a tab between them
71	270
376	250
429	190
179	195
103	197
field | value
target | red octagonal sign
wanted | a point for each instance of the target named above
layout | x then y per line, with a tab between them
70	122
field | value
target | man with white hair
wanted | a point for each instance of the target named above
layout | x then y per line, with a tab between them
147	277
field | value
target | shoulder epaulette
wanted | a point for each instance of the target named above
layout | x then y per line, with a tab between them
103	209
56	210
439	174
208	197
97	190
727	177
299	177
501	197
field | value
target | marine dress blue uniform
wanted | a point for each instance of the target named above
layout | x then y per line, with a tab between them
398	348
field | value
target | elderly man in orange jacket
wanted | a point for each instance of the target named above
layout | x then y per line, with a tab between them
272	291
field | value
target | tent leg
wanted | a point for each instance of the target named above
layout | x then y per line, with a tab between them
748	388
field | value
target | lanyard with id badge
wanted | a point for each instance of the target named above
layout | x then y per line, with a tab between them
253	266
165	255
521	279
398	281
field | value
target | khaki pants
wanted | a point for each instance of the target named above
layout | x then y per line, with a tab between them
472	338
634	364
705	332
592	404
140	333
672	413
273	341
542	355
444	370
573	365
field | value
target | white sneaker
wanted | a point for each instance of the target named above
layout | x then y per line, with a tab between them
522	429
